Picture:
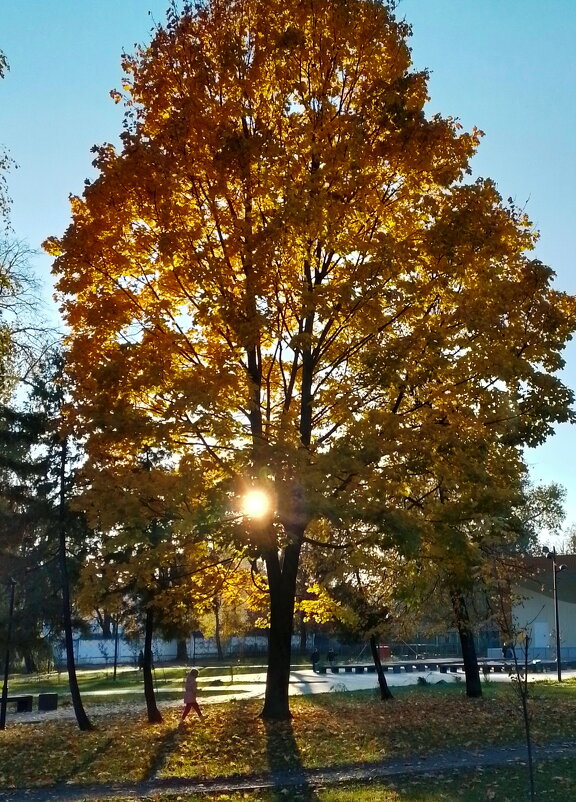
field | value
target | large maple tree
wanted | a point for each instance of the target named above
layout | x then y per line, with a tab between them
284	276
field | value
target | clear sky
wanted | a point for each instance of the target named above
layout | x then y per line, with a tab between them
506	66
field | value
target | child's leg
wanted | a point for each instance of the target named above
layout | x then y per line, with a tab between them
197	710
185	712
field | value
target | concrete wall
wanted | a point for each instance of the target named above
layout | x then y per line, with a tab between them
100	651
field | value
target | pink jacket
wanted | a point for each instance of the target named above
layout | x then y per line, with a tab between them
190	690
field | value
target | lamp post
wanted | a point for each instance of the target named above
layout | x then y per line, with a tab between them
4	700
551	555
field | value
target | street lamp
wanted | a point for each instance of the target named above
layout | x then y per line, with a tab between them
551	555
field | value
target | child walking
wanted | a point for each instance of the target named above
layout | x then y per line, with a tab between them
190	693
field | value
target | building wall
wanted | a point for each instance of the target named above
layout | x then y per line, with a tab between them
100	651
535	614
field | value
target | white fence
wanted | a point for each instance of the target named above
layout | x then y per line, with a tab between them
100	651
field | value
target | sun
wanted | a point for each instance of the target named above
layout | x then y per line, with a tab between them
256	504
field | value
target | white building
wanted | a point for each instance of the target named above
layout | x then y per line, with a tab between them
533	607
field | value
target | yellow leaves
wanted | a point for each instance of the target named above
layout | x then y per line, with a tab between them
281	267
52	246
319	606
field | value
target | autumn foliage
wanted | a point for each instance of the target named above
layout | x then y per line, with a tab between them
284	277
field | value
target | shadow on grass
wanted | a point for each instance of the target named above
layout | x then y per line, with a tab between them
336	700
339	698
164	748
284	759
71	770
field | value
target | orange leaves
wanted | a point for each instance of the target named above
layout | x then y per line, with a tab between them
281	270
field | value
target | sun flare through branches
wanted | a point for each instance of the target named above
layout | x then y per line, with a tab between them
256	504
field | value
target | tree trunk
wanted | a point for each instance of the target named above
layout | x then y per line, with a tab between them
30	665
116	636
4	701
282	585
105	620
154	715
471	669
181	650
217	636
385	692
303	633
81	717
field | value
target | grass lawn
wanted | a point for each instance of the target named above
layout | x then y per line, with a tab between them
99	685
333	729
555	782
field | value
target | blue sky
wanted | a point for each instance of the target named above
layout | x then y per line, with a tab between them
506	66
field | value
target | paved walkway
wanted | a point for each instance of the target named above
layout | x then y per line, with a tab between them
252	685
245	686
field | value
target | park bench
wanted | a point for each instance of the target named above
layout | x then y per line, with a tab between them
23	702
47	701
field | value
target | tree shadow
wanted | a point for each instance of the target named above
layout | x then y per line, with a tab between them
165	747
71	769
339	697
285	763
